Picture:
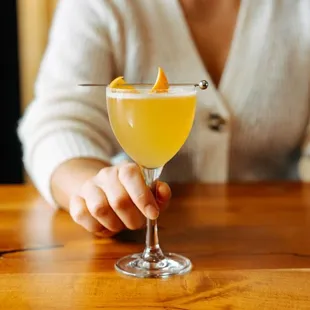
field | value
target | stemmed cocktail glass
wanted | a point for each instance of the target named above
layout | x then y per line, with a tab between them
151	128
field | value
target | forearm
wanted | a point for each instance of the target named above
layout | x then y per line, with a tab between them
71	175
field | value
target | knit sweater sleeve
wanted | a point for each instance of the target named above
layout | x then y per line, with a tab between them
66	121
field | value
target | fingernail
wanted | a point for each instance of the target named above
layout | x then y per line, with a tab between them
100	234
103	234
151	212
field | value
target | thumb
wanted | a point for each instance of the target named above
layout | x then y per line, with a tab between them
163	195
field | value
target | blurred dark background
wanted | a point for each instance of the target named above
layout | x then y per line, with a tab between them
25	25
10	156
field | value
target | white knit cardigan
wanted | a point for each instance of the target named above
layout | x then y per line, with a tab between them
262	102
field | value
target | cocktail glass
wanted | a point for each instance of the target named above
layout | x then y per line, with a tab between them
151	127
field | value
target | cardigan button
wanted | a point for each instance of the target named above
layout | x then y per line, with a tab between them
216	122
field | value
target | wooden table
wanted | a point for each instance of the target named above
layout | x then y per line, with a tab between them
250	246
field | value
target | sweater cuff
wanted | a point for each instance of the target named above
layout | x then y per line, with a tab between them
54	150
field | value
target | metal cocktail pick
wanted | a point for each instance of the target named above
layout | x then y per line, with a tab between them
203	84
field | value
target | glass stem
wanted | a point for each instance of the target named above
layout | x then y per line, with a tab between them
152	252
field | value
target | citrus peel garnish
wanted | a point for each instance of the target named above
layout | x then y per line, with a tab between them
119	82
161	85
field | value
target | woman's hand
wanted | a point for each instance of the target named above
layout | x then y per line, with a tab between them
115	199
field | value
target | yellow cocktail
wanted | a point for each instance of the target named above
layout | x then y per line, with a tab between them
151	128
151	124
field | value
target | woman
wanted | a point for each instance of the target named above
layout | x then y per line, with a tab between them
251	123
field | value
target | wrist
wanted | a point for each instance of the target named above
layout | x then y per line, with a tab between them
71	175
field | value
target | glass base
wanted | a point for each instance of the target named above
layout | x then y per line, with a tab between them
172	264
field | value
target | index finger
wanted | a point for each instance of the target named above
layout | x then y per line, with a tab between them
131	178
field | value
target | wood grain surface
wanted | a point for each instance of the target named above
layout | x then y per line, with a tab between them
250	246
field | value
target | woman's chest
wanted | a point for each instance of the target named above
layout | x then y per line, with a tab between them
212	26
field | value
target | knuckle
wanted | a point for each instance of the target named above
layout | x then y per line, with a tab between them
77	214
119	203
128	171
86	188
142	198
99	210
104	173
104	176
